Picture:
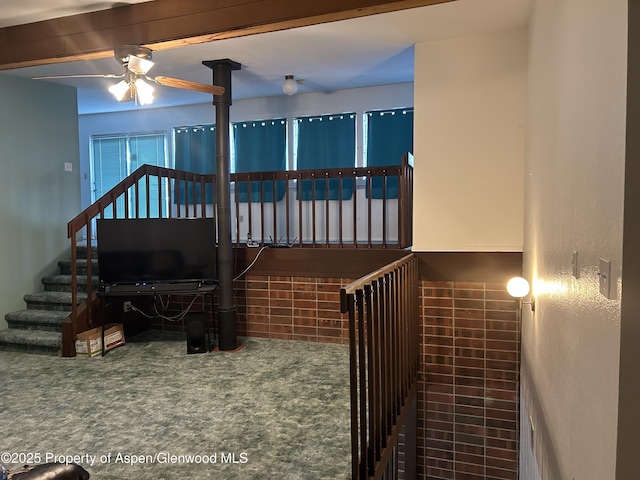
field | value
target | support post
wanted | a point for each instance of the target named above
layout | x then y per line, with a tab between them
227	335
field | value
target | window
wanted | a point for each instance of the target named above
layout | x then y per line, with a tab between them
260	146
195	151
389	135
327	141
115	157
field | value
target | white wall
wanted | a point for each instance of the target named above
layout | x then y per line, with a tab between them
574	202
164	119
469	143
38	134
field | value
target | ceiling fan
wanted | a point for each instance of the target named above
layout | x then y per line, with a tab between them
134	86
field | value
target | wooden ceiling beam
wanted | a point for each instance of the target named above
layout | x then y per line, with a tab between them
163	24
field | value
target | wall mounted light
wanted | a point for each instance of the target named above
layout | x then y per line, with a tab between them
290	85
519	288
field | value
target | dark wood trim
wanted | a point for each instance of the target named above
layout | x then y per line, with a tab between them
470	266
314	262
164	24
355	263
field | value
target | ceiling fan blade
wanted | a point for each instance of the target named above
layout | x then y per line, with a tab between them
188	85
81	75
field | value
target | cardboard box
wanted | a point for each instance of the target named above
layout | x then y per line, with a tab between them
89	343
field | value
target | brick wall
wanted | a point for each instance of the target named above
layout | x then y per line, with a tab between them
468	405
292	308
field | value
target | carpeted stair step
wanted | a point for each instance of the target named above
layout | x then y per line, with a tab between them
81	251
47	320
62	283
31	341
37	329
81	266
58	301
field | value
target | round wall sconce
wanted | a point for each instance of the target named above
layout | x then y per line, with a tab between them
519	288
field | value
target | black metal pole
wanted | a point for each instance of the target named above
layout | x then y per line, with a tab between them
227	336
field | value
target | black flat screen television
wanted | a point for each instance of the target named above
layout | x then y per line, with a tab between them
144	251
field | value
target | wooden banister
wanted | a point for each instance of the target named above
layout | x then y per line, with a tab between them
384	356
178	197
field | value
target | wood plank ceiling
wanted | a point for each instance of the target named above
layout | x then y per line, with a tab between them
164	24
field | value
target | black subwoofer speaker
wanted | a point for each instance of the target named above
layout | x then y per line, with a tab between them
196	332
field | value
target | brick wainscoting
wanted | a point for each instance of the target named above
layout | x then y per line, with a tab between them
468	404
468	398
292	308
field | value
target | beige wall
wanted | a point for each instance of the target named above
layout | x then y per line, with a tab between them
469	143
38	134
574	175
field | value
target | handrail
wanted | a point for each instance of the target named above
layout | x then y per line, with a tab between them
187	194
384	358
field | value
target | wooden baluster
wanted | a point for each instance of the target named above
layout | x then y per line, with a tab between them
313	209
274	204
262	235
249	208
326	208
340	178
384	208
287	217
355	211
299	188
236	196
369	214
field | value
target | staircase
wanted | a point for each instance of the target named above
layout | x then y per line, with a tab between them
38	328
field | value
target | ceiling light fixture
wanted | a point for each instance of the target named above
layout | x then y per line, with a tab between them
290	85
133	88
136	84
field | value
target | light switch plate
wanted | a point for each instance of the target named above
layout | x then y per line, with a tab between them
68	167
574	264
604	274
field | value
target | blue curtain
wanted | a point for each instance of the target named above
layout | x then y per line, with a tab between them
260	146
195	151
327	141
389	137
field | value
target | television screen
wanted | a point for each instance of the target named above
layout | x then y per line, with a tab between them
156	250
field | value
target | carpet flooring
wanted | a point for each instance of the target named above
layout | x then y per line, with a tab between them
276	409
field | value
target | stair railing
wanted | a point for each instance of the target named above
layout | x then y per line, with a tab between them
132	198
366	197
384	358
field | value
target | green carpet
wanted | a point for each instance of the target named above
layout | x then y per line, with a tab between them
276	409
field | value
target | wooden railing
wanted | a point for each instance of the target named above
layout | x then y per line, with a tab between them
296	208
384	358
365	207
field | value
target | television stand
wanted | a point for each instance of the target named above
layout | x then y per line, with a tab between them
179	288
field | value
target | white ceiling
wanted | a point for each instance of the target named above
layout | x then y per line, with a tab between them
374	50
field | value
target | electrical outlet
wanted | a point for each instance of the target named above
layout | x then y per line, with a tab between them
127	306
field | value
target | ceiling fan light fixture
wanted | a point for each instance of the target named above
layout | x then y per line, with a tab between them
139	65
136	61
290	85
120	90
144	92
